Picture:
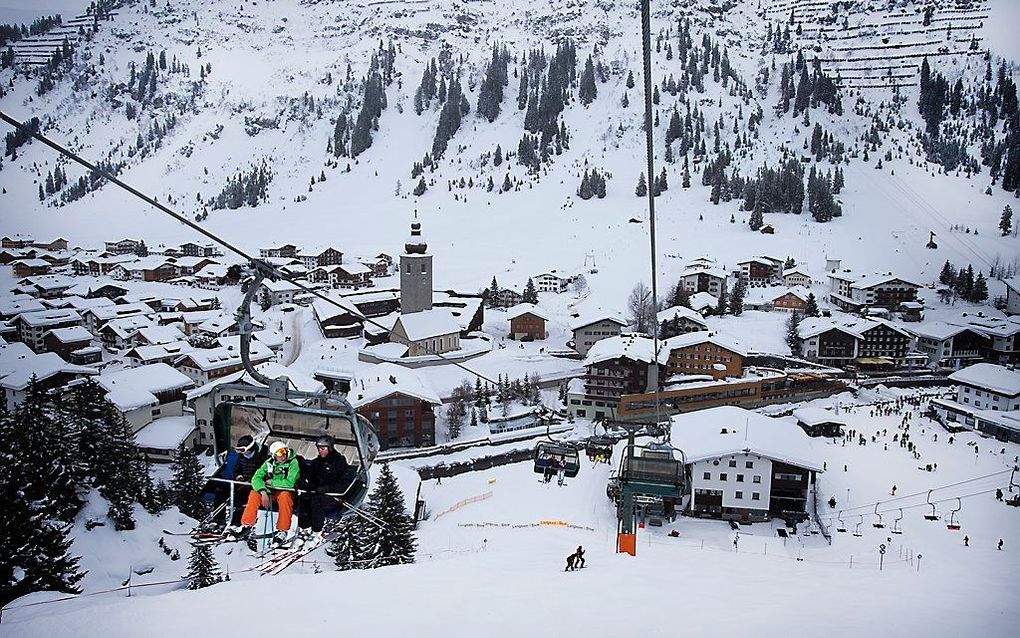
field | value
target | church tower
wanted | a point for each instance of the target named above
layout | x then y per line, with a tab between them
415	273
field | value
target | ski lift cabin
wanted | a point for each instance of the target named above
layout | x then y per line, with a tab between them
650	478
547	453
276	413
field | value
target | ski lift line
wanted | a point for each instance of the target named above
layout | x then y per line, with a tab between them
268	269
646	50
908	507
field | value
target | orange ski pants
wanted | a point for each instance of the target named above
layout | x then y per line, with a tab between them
284	502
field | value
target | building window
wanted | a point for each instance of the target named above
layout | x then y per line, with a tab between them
733	463
755	496
739	495
740	478
707	476
757	479
749	464
722	477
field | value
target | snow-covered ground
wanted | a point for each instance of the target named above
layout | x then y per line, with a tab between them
493	566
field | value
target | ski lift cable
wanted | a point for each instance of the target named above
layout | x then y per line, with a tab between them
267	269
908	507
923	492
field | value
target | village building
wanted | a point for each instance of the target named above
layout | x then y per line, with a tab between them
824	342
704	303
120	334
506	297
288	251
427	332
192	249
211	276
987	400
704	279
157	353
553	281
11	307
1004	335
744	466
527	322
205	365
17	241
590	329
881	340
123	246
792	300
796	276
97	317
319	256
154	268
160	439
682	319
341	319
45	286
190	321
352	275
66	341
853	293
946	345
817	422
614	366
19	367
53	245
399	402
146	392
1012	295
187	266
704	353
758	271
279	292
221	326
31	267
32	326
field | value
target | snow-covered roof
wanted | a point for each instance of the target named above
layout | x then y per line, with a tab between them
32	263
217	325
281	285
128	326
10	308
796	270
703	336
693	270
215	358
800	292
159	351
816	416
40	366
153	377
817	325
166	433
625	347
70	334
48	282
298	380
49	317
131	398
384	379
575	386
354	268
939	330
153	335
1013	283
870	281
12	356
699	435
213	271
428	323
589	319
990	326
680	312
526	308
82	303
990	376
106	313
702	300
191	262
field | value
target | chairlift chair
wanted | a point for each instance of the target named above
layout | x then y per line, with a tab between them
879	524
954	524
896	524
547	452
857	530
841	528
270	410
934	516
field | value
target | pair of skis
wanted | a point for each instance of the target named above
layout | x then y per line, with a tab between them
284	559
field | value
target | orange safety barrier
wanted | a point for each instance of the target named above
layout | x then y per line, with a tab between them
626	544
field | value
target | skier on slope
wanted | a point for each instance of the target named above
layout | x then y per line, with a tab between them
322	475
275	480
579	557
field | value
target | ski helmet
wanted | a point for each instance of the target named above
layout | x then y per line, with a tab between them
277	447
324	441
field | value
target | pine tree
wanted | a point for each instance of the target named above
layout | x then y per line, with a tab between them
492	293
348	549
642	186
587	91
497	158
736	303
420	188
394	541
965	282
811	309
203	571
1006	221
948	274
687	174
187	482
792	335
584	191
530	294
979	292
630	79
757	220
454	419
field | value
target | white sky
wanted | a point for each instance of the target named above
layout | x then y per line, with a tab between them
18	11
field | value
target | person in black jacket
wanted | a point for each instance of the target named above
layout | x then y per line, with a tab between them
322	475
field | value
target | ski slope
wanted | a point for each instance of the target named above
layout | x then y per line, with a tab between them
496	565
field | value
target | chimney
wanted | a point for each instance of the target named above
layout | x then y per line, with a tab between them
393	379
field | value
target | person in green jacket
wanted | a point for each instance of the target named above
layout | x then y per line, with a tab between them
275	480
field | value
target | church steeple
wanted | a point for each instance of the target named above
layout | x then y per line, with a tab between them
415	272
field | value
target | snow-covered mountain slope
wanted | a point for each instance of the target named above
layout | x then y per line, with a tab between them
266	81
